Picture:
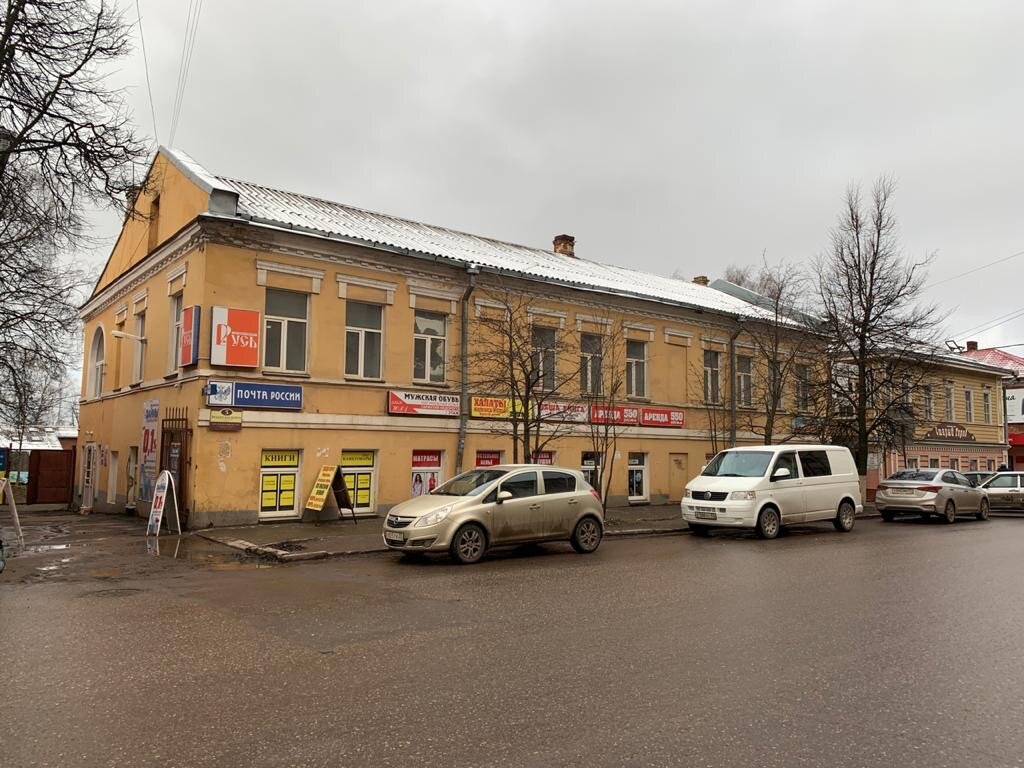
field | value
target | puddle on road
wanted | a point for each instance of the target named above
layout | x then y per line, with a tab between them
204	553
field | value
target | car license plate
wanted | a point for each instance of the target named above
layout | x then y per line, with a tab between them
397	538
903	491
705	513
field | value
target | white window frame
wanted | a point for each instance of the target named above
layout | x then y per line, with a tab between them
713	377
954	463
362	334
284	322
634	364
542	356
745	381
928	398
97	364
428	341
177	309
139	353
968	406
986	405
645	475
949	401
587	384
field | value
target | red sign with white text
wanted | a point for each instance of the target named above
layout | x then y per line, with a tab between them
661	417
236	337
188	354
426	459
614	414
488	458
547	458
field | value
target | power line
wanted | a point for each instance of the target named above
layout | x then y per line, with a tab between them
145	62
992	320
1013	316
976	269
195	9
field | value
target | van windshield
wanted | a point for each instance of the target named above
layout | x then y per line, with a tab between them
738	464
468	483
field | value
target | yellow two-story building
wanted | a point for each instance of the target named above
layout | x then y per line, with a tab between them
243	338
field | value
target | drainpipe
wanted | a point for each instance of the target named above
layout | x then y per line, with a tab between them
472	270
732	386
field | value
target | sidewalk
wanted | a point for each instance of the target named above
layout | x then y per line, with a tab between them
289	542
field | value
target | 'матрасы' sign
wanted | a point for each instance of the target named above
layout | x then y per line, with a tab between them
236	394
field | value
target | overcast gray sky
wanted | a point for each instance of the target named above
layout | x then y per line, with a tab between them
667	135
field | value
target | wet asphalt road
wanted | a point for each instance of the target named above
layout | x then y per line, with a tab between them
895	645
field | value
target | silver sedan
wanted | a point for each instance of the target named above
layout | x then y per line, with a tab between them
928	492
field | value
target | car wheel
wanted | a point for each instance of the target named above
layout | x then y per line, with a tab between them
768	523
468	544
845	517
949	514
888	516
983	510
699	530
586	536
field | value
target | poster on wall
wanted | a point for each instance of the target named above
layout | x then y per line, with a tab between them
426	471
188	354
235	337
423	403
150	423
1014	400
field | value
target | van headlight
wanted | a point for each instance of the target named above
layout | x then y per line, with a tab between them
435	517
687	493
743	495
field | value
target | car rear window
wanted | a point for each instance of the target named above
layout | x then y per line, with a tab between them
559	482
913	475
815	463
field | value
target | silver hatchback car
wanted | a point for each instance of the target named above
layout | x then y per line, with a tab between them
1005	490
928	492
495	506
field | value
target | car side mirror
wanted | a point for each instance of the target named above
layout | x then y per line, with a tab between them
780	474
504	496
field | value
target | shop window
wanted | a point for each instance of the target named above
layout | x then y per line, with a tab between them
358	468
96	364
544	340
636	478
364	337
428	346
745	380
590	364
286	315
590	465
636	368
712	376
426	471
279	470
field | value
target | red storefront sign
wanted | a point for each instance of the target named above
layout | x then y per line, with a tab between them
188	354
423	403
236	337
661	417
488	458
429	459
614	414
547	458
1017	438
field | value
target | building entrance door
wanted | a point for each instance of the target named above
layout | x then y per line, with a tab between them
89	476
678	475
175	441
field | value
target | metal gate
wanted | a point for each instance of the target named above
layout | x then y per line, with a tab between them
51	475
175	441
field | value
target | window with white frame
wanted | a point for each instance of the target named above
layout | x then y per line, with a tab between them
543	340
986	406
954	464
911	463
364	339
174	342
636	368
803	388
968	405
745	380
949	401
428	345
97	364
590	364
712	376
929	402
285	320
139	359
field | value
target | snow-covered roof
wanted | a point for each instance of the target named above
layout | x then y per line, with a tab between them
35	439
290	210
998	358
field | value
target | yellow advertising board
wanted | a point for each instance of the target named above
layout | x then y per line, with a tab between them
321	487
485	407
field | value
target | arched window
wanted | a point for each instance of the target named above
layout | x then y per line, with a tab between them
96	357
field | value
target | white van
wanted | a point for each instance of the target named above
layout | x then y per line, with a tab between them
768	486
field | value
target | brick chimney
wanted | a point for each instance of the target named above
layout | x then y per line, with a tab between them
972	346
565	245
701	280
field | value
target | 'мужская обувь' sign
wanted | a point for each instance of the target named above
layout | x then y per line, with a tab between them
948	431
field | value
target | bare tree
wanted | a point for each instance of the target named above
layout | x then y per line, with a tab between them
66	143
528	362
606	404
877	326
29	396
